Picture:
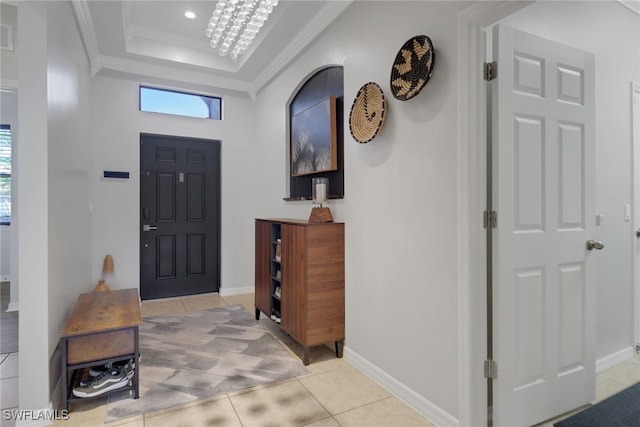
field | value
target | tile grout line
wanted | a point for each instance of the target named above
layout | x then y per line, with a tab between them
319	403
235	411
332	416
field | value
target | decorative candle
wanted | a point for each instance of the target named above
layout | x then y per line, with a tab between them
319	190
321	193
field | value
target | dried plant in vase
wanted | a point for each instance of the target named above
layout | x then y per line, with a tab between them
107	275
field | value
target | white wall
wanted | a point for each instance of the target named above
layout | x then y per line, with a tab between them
52	154
69	163
116	126
400	205
5	253
32	224
612	33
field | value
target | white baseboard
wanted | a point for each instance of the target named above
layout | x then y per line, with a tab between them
418	403
614	359
13	306
236	291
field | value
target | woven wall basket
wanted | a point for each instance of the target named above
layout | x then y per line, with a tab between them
412	67
367	113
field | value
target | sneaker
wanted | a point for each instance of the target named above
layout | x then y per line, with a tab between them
99	370
128	368
94	371
112	379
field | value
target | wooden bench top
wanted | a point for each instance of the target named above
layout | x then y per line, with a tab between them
103	311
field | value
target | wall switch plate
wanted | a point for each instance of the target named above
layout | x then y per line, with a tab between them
627	212
599	219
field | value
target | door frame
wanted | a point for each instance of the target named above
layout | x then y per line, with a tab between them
472	193
635	188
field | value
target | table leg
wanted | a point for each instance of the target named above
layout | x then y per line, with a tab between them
65	384
136	372
339	347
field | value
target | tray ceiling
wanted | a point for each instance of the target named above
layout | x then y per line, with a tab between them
154	41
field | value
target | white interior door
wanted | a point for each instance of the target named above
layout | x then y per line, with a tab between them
543	193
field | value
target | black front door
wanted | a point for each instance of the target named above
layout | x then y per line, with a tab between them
179	216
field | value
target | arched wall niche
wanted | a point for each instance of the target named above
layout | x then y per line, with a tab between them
324	83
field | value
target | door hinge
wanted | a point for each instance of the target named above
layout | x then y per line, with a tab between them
490	369
490	219
490	70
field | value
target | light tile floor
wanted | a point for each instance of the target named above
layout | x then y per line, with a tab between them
334	393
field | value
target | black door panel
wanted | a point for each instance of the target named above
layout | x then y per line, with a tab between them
179	216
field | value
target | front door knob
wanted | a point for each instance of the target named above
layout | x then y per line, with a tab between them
594	244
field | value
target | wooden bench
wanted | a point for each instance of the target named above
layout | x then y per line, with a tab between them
102	328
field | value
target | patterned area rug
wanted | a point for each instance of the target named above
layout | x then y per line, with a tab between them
190	356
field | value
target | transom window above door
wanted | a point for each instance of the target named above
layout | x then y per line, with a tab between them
156	100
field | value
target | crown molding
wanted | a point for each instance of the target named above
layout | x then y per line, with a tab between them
87	29
631	4
330	11
161	72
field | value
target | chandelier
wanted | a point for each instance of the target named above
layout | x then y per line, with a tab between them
233	17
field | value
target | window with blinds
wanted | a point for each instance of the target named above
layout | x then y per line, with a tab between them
5	174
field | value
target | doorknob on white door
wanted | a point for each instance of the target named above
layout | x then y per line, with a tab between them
638	233
594	244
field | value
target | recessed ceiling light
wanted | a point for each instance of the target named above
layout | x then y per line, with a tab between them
190	14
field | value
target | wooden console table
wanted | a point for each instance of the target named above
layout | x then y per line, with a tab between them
102	328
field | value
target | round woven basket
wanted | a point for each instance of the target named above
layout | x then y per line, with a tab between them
367	113
412	67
